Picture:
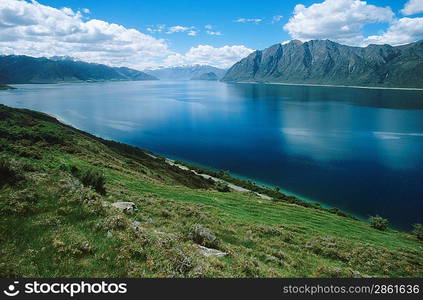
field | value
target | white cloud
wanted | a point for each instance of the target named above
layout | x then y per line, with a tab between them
30	28
402	31
412	7
338	20
222	57
156	28
178	28
276	19
210	32
33	29
245	20
86	11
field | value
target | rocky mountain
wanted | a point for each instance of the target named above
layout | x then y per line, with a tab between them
185	72
211	76
327	62
25	69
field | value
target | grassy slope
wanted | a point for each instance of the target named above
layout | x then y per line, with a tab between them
5	87
51	225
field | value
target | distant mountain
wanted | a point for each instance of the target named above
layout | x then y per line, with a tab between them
210	76
185	72
25	69
327	62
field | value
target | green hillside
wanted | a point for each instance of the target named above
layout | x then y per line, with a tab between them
58	184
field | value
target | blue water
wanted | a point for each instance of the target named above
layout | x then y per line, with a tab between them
360	150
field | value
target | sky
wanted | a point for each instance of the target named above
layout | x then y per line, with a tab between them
149	34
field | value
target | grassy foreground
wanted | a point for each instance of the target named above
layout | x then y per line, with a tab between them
57	184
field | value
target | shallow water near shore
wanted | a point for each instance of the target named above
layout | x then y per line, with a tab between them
356	149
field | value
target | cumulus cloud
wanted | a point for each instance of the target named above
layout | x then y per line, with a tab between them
245	20
402	31
339	20
30	28
33	29
222	57
412	7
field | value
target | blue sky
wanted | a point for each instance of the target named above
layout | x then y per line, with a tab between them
188	32
221	14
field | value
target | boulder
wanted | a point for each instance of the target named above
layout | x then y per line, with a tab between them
208	252
126	207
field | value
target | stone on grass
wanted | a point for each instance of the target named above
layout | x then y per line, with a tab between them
126	207
208	252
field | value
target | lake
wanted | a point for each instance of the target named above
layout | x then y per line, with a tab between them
360	150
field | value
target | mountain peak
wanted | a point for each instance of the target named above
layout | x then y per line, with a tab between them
328	62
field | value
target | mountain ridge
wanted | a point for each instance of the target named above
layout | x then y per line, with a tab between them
185	72
21	69
327	62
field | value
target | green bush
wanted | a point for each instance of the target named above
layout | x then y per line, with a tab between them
379	223
95	179
9	174
89	177
222	187
418	231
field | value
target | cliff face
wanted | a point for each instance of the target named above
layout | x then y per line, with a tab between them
327	62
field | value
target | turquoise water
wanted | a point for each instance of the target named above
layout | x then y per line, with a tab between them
360	150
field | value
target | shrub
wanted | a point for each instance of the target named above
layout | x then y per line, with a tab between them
9	173
203	236
418	231
379	223
89	177
222	187
93	178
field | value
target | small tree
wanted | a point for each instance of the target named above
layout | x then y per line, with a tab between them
379	223
418	231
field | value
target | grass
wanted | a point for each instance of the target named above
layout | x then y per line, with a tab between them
6	87
55	225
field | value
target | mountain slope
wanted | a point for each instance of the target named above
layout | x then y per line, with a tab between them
185	72
327	62
210	76
57	219
25	69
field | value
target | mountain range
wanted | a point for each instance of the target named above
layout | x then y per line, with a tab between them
210	76
24	69
327	62
185	72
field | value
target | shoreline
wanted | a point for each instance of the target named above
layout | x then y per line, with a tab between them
329	85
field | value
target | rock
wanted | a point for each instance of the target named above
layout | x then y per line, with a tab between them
137	226
203	236
208	252
126	207
356	274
